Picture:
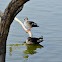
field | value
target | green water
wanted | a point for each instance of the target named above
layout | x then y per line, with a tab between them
48	15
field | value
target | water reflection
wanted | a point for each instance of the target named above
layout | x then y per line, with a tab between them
30	49
10	49
16	46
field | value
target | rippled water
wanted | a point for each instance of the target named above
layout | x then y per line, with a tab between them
48	15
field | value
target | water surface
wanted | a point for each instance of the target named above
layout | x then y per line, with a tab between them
48	15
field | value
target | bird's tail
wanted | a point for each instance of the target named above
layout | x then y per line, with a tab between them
40	39
35	26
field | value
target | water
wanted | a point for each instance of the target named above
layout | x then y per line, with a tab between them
48	15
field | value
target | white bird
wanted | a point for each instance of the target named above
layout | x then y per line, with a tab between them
30	24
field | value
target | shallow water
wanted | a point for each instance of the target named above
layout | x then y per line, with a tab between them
48	15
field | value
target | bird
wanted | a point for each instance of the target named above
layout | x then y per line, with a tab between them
24	28
29	24
34	40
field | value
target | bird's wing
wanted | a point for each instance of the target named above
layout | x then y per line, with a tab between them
32	23
34	39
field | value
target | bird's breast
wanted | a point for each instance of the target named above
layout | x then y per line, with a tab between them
27	24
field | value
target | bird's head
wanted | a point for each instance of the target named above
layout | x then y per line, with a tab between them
26	19
29	38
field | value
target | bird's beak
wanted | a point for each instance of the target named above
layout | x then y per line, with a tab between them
24	19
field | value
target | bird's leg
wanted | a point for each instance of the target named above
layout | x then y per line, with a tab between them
28	30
